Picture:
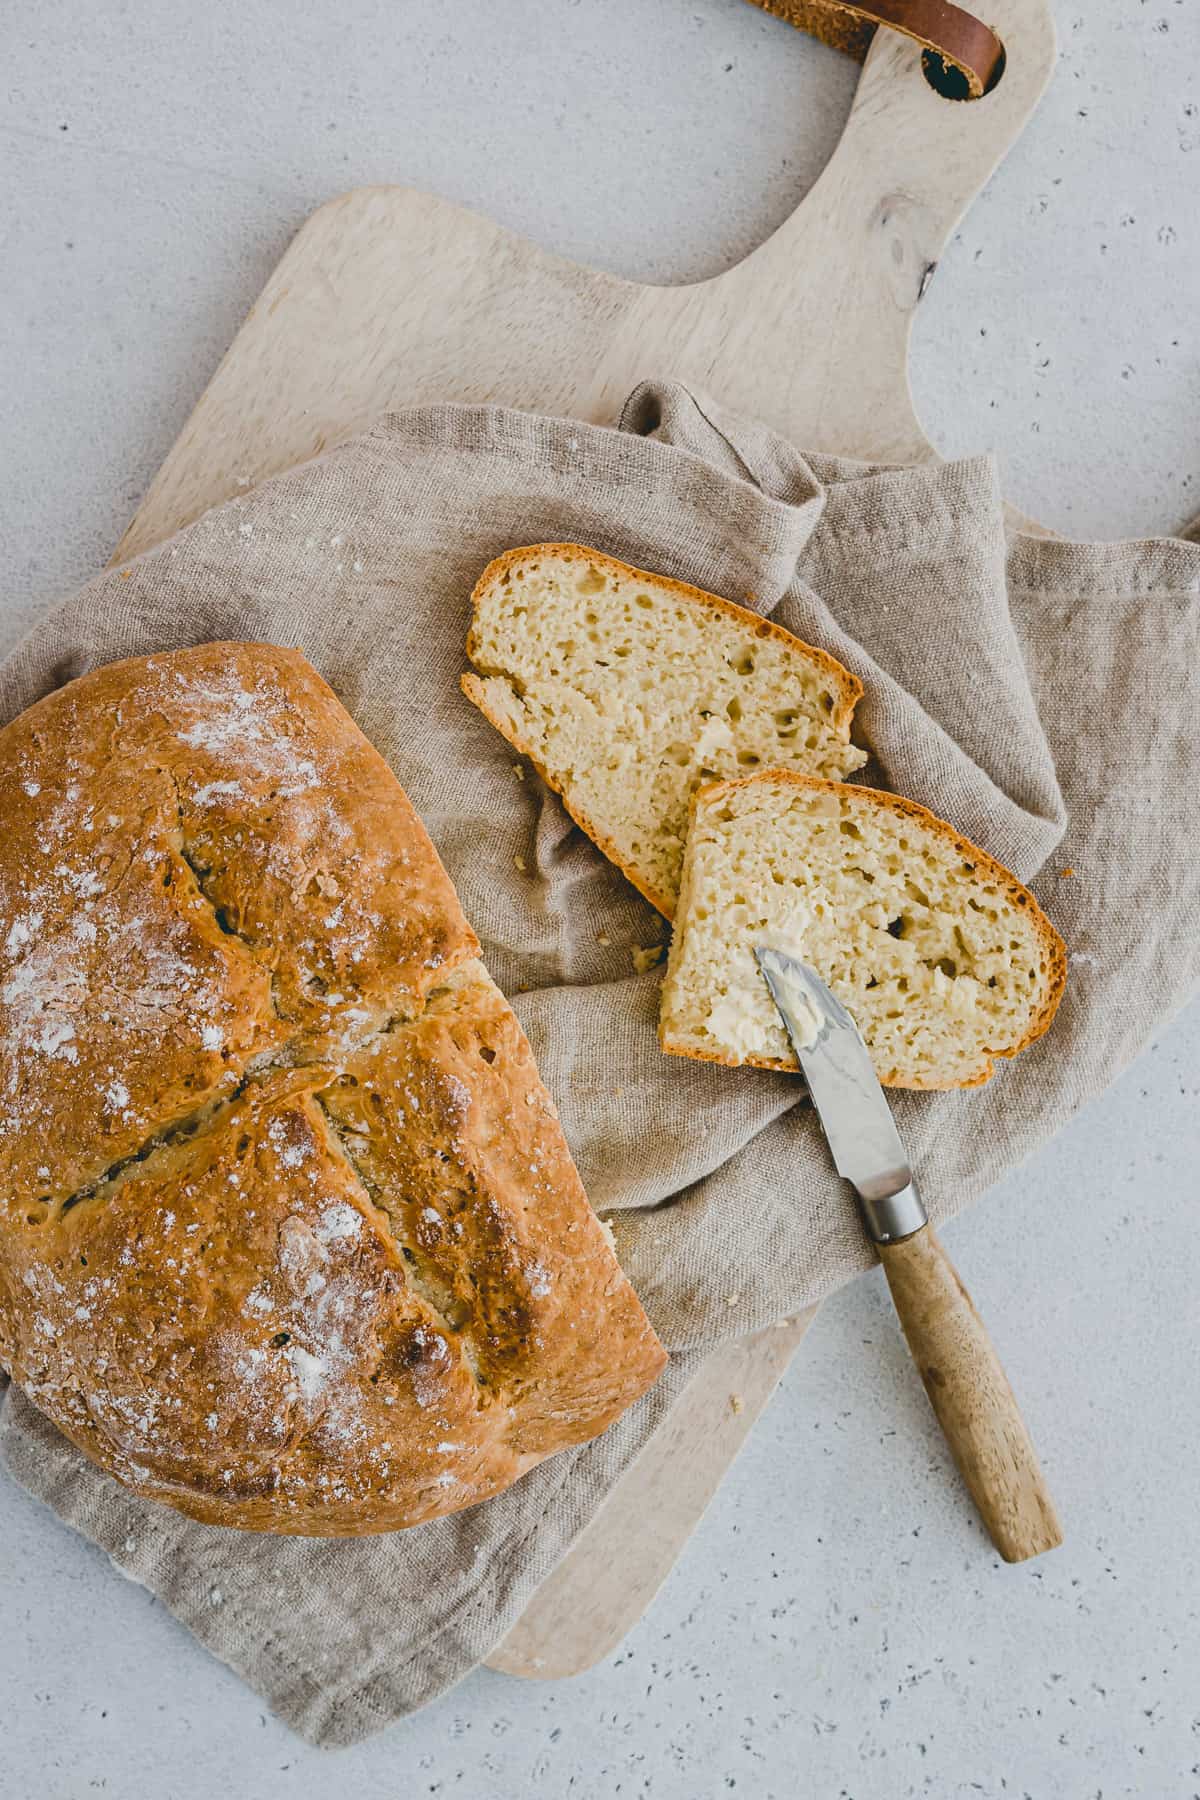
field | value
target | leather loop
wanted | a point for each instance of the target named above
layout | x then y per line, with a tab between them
959	38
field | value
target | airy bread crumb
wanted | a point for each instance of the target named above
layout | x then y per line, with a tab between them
943	958
627	691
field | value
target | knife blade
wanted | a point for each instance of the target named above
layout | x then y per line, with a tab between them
866	1147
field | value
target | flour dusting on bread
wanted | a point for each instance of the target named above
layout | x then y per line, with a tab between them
284	1210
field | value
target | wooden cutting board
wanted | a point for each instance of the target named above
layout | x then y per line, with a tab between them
389	297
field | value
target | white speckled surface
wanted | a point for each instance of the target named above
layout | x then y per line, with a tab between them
837	1627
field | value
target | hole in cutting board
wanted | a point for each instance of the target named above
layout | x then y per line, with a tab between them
951	83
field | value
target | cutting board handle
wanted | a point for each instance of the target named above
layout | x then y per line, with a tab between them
855	259
808	334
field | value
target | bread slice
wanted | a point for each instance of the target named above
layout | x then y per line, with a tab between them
943	958
628	691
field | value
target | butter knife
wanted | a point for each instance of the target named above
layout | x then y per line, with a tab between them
966	1385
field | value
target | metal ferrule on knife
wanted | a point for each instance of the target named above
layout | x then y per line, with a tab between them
890	1217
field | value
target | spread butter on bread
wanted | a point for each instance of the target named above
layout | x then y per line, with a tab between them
943	958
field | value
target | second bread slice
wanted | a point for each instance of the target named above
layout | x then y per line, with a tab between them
943	958
627	691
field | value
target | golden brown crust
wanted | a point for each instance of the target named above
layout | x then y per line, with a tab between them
1054	951
847	686
289	1234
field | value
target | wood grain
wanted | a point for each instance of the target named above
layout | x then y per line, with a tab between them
388	297
611	1574
969	1392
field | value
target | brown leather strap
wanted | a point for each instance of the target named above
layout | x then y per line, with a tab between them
961	40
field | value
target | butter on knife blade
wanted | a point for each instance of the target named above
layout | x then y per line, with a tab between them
866	1147
799	1007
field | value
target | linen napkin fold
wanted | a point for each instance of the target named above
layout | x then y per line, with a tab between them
1040	695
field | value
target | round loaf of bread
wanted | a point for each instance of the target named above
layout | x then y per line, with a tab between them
290	1237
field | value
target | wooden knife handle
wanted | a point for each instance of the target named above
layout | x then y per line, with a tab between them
969	1392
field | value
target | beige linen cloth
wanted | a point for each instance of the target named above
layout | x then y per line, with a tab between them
1041	695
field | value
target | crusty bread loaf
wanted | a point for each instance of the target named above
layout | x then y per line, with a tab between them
289	1233
943	958
627	691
